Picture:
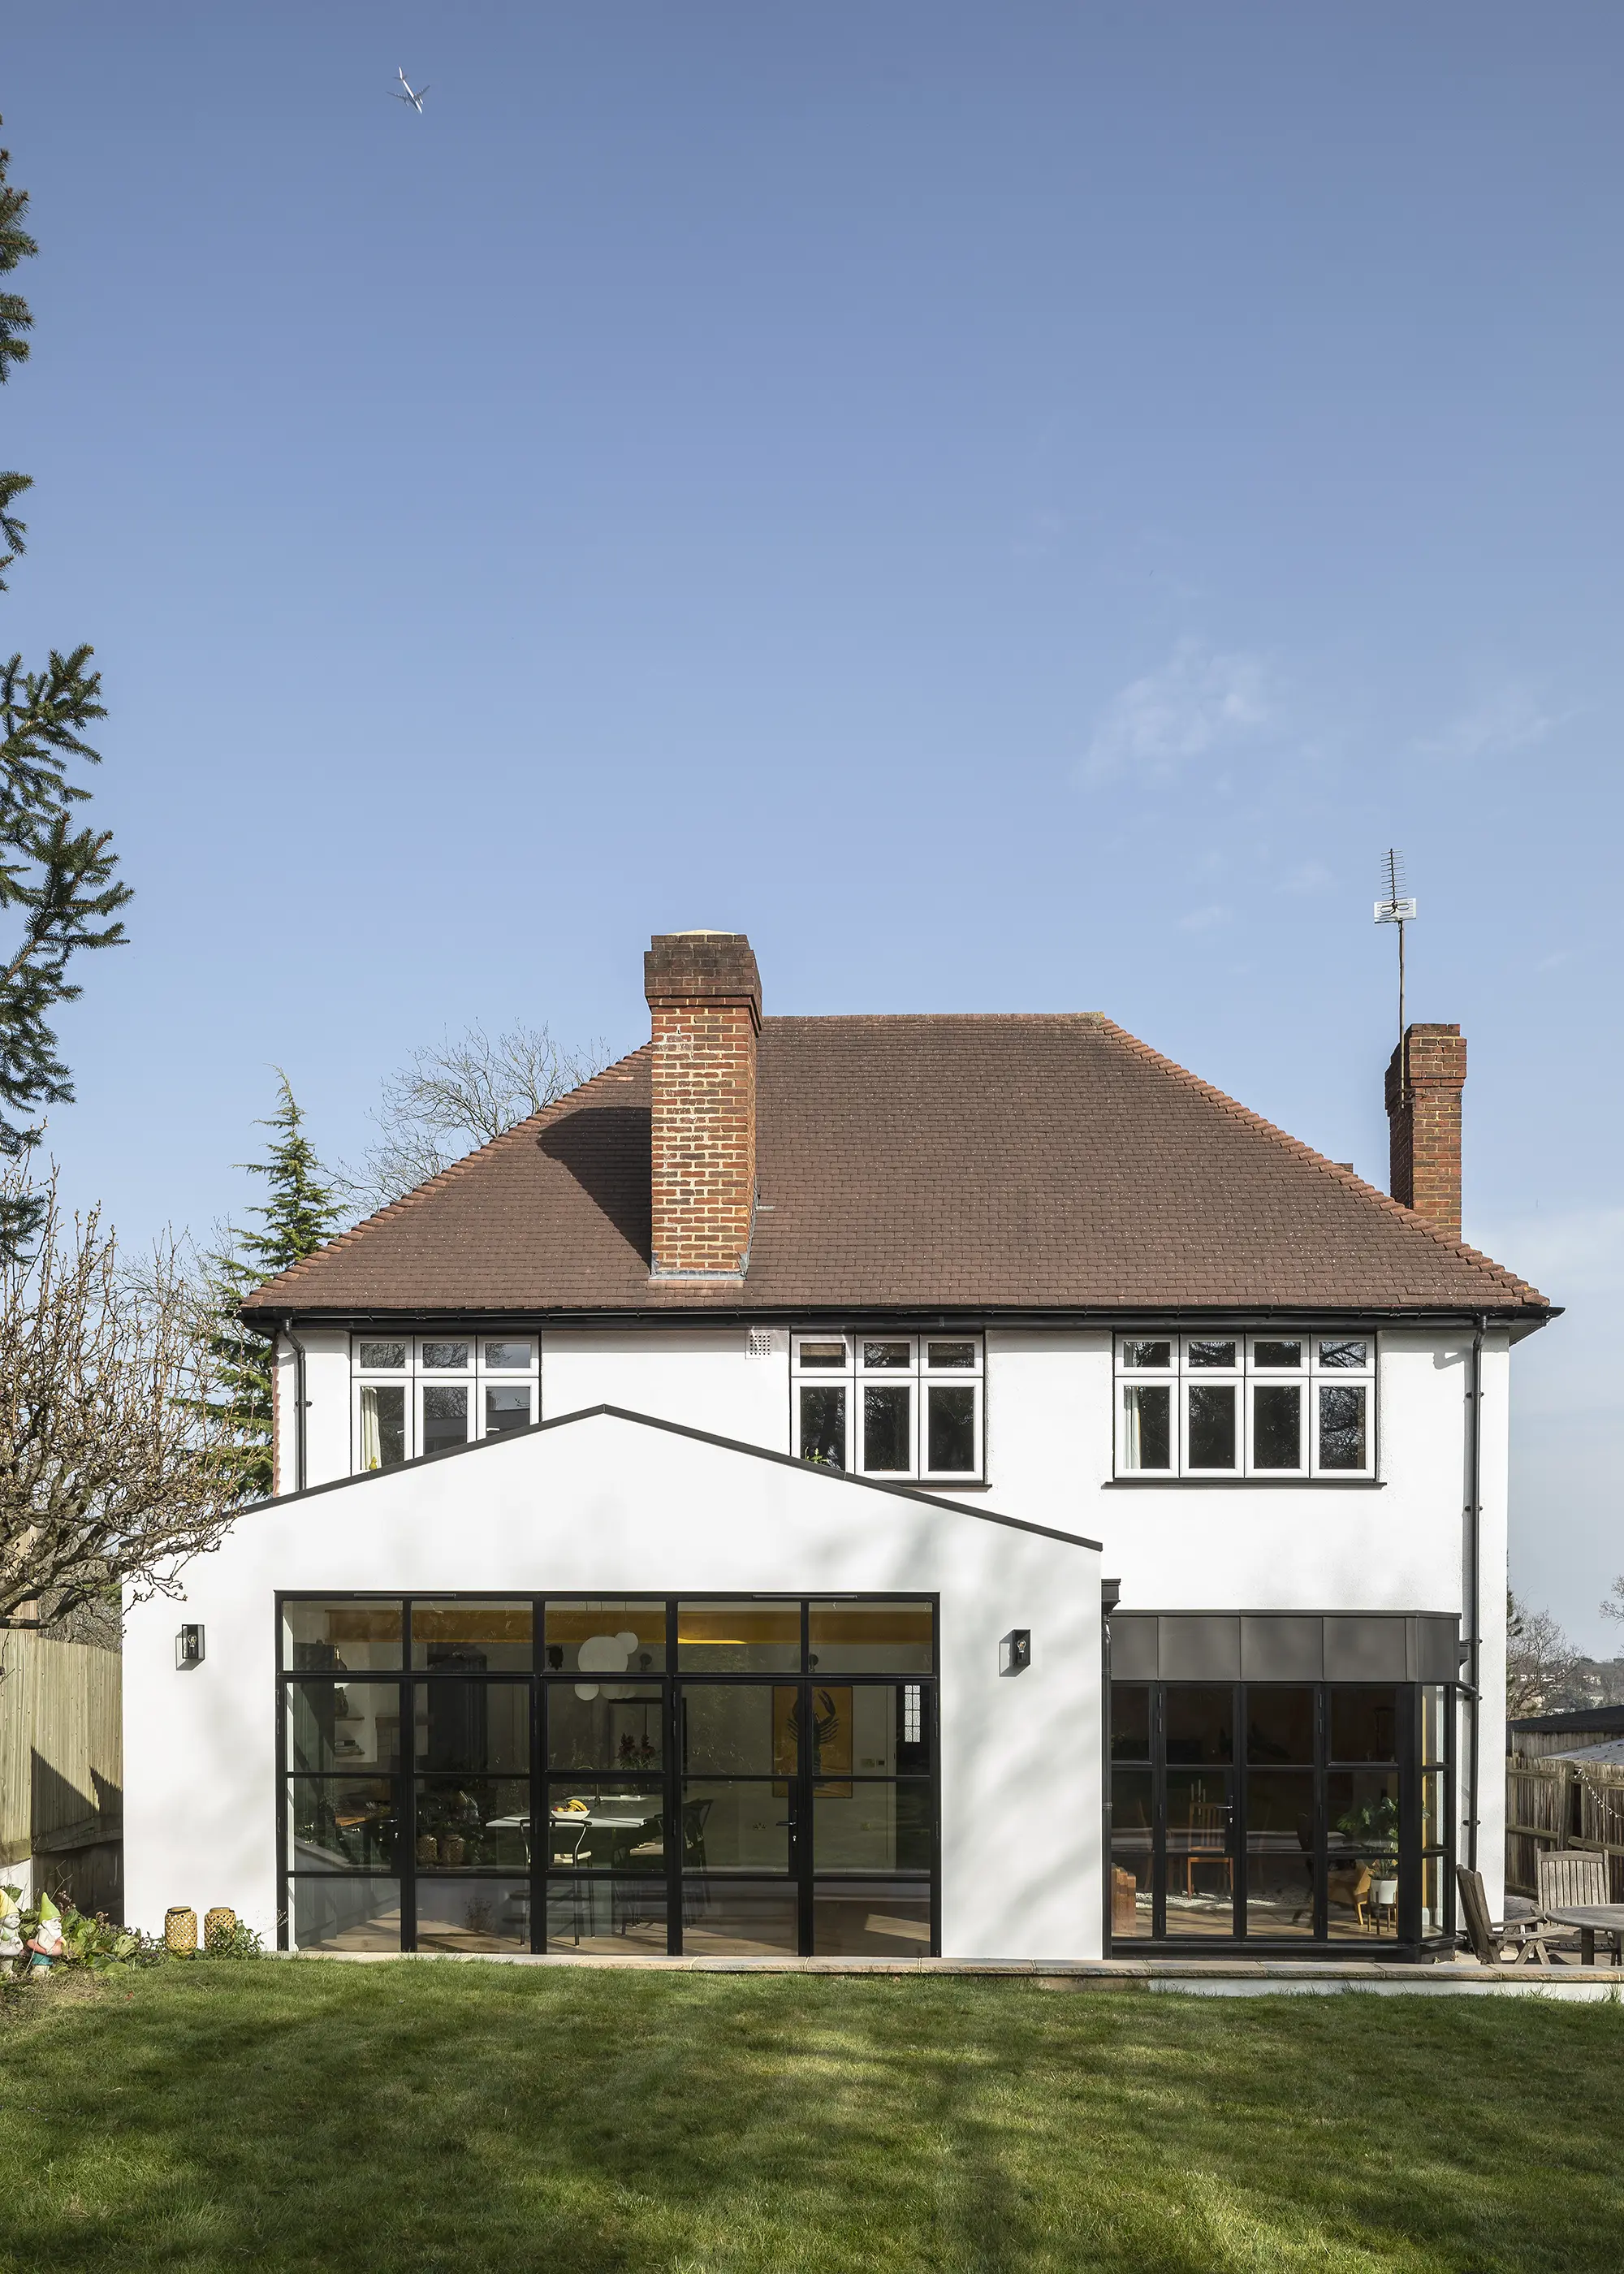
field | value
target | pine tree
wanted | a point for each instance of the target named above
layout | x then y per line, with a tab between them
300	1215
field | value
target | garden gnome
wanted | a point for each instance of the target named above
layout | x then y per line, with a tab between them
46	1942
11	1930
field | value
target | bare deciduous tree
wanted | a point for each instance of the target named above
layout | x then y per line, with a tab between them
108	1474
1613	1607
446	1102
1542	1666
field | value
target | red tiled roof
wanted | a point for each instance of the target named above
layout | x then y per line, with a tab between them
926	1163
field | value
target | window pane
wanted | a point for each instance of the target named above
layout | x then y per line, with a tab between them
507	1356
473	1823
887	1426
1200	1869
504	1410
473	1914
872	1828
1131	1852
1200	1722
606	1637
481	1727
1212	1427
1434	1825
730	1825
868	1728
950	1417
1147	1354
614	1728
472	1637
1147	1425
1341	1427
346	1914
1280	1846
872	1637
884	1920
1364	1725
1212	1353
339	1637
383	1426
888	1354
1277	1354
607	1918
724	1920
337	1726
1276	1425
1280	1725
445	1419
1361	1808
1130	1721
738	1728
597	1826
940	1354
821	1354
1280	1893
1434	1895
1361	1898
1345	1354
1434	1726
446	1357
823	1426
739	1638
376	1357
342	1824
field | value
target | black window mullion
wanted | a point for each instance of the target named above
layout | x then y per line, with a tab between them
676	1769
1409	1920
1158	1811
1321	1859
1240	1870
541	1822
407	1843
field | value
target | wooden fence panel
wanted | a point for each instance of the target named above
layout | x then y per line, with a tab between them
61	1747
1554	1804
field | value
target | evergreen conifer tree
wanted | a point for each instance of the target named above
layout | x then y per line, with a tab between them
299	1214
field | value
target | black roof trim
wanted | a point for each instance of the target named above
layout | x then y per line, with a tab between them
700	1436
263	1320
1609	1719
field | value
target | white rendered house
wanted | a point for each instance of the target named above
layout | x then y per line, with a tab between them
693	1508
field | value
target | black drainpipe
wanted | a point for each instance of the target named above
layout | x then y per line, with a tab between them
1474	1580
299	1402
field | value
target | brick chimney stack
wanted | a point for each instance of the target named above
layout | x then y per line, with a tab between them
1425	1076
704	996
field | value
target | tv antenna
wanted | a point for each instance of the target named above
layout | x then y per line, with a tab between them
1396	908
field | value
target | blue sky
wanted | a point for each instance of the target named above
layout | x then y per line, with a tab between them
1013	507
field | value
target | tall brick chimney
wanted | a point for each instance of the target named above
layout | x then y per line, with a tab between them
1425	1076
704	996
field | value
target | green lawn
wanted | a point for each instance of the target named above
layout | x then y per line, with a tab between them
419	2118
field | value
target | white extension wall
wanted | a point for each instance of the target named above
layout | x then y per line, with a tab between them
617	1507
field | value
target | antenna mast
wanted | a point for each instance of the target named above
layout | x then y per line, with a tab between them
1395	909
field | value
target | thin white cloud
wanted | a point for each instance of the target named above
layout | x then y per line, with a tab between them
1201	701
1508	720
1204	919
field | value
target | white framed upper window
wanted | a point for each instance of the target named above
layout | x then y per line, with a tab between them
416	1393
1285	1402
880	1403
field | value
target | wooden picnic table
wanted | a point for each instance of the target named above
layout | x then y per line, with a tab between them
1592	1919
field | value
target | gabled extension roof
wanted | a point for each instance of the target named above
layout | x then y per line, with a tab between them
933	1164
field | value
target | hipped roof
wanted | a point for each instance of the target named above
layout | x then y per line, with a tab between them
925	1165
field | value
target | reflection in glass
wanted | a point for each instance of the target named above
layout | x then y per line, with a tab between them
823	1425
607	1918
332	1914
1361	1807
380	1356
1289	1354
1212	1427
606	1638
888	1428
1341	1426
1212	1353
618	1727
1148	1425
1435	1891
343	1726
1344	1354
1200	1722
446	1357
340	1638
1280	1724
873	1827
1276	1425
1280	1847
1364	1725
479	1637
342	1824
445	1419
1361	1898
473	1914
481	1728
1434	1726
505	1410
730	1729
599	1826
749	1637
950	1430
1200	1867
940	1354
383	1426
732	1919
887	1919
507	1356
822	1354
473	1824
735	1825
1280	1893
1147	1354
887	1354
1130	1721
871	1638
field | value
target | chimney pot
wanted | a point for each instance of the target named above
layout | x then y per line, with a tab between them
1425	1076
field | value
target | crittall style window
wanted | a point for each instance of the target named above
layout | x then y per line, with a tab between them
889	1405
1281	1812
415	1393
1285	1404
574	1774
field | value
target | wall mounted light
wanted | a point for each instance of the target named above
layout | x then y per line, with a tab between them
1015	1651
188	1648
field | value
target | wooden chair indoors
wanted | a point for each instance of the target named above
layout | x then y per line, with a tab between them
1506	1944
1208	1842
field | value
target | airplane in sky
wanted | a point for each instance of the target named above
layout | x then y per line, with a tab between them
415	98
